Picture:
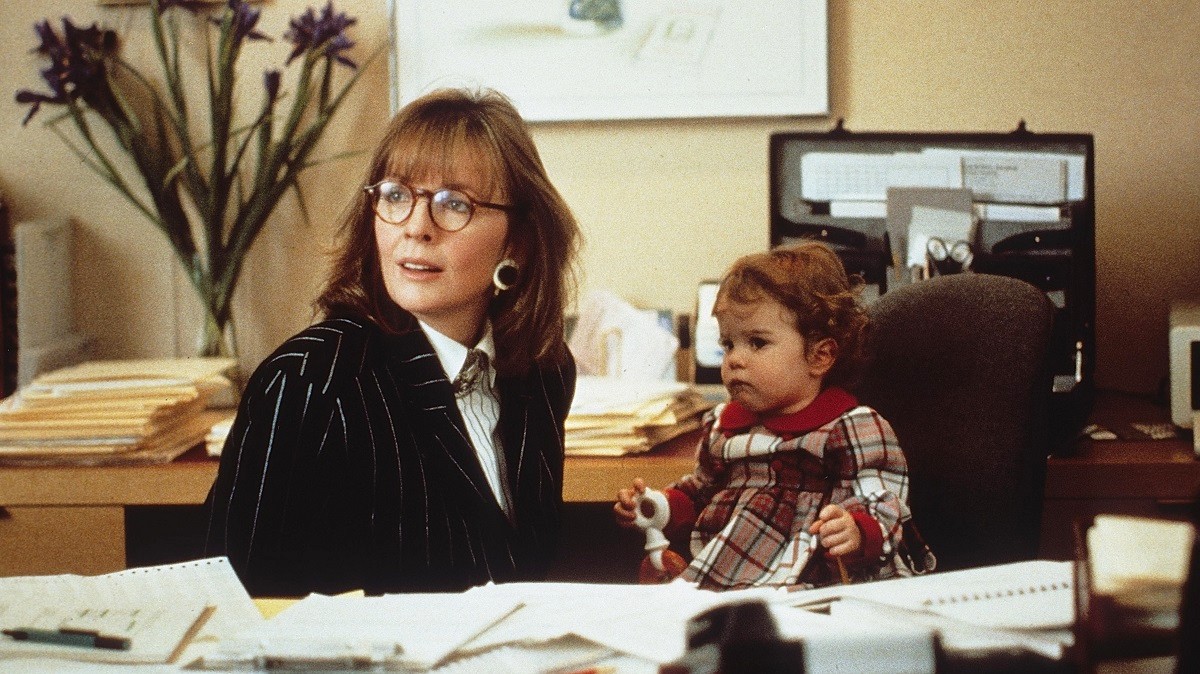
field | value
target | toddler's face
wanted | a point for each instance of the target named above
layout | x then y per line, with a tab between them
766	367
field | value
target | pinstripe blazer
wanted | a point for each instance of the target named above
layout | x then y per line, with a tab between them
349	466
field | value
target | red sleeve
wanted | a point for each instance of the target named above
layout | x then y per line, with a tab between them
872	537
683	512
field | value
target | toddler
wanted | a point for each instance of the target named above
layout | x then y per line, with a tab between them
795	483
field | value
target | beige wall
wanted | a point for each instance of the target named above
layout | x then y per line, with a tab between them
665	204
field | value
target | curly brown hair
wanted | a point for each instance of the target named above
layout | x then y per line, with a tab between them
809	279
429	137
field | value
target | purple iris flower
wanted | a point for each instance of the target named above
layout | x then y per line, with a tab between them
77	66
327	31
244	20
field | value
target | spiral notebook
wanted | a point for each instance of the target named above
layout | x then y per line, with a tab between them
1033	595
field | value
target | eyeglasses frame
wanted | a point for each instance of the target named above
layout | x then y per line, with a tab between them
429	195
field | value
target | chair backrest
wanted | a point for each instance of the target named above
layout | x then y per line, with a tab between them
958	364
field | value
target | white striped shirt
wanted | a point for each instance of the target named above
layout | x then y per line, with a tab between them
480	408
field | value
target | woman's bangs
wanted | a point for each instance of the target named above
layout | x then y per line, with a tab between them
444	153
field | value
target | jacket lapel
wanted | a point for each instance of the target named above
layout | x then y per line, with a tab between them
438	423
519	454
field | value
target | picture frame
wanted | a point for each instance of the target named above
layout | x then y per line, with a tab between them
566	60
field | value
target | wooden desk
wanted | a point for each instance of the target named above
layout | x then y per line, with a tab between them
67	519
1134	476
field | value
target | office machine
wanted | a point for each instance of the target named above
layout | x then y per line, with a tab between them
898	207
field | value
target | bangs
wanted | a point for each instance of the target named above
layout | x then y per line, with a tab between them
450	153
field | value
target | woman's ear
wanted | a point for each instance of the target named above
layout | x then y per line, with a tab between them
821	356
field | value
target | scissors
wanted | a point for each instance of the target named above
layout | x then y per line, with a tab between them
948	259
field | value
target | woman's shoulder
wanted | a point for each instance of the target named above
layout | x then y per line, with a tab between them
329	345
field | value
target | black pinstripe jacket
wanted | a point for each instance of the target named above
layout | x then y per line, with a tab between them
349	466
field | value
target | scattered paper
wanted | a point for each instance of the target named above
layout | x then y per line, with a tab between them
613	338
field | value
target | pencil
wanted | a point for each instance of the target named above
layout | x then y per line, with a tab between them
842	570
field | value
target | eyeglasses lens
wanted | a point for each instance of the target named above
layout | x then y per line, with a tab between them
450	209
395	202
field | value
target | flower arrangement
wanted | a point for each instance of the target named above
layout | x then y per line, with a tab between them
208	178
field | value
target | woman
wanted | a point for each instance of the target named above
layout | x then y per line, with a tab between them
413	439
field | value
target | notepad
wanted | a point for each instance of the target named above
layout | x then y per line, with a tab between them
148	633
1033	595
160	609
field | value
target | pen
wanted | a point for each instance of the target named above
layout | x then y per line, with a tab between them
842	570
80	638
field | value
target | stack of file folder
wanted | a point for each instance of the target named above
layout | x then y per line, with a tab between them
614	416
119	411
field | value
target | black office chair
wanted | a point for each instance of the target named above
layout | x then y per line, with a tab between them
958	365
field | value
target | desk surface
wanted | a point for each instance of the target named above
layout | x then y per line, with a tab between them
1131	467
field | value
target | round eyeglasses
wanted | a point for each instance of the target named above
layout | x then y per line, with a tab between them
449	209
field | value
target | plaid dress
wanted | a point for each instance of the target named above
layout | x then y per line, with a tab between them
758	491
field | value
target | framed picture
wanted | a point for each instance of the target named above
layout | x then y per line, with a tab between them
619	59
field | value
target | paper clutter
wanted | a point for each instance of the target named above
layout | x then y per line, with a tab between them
613	416
615	339
117	411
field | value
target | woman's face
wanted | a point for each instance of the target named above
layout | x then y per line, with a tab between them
445	278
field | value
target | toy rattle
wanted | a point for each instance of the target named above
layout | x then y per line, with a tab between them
651	514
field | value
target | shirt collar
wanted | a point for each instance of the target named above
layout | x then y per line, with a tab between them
827	406
452	355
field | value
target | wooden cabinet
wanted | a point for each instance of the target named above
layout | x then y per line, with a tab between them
1132	475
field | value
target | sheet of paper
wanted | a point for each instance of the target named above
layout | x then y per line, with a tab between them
982	166
415	631
165	589
839	643
1019	213
615	339
645	621
955	635
156	633
858	209
853	176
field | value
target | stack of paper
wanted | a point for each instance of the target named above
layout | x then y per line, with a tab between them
612	416
529	627
1139	563
112	412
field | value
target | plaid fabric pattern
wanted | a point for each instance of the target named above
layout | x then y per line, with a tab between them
757	494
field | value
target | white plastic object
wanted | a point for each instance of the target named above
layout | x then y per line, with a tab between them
651	513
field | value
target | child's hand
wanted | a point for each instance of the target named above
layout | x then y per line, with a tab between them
624	508
837	530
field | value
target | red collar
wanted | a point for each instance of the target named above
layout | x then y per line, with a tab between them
827	406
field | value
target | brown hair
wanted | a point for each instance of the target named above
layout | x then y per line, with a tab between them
429	137
807	278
